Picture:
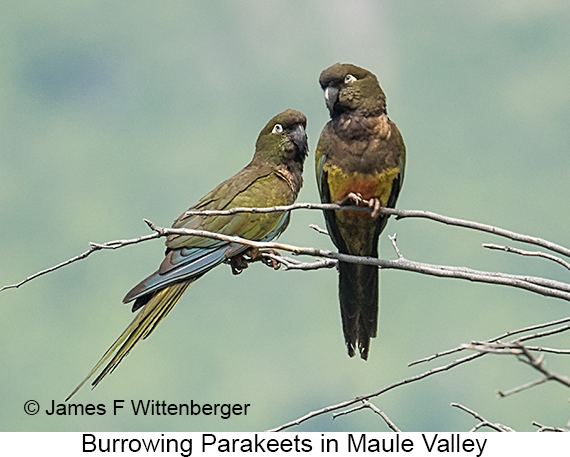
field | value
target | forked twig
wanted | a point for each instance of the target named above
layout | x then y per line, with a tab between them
483	422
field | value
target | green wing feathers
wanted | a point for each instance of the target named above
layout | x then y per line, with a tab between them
273	177
266	190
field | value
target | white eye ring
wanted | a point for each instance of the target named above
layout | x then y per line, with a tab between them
278	128
349	79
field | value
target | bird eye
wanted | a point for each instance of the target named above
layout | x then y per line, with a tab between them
349	78
278	128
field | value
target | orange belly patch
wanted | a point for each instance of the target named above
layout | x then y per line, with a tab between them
378	185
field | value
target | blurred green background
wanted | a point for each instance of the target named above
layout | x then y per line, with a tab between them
111	112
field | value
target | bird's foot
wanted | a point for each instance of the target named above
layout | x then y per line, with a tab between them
238	263
374	202
351	198
241	261
358	200
258	255
269	261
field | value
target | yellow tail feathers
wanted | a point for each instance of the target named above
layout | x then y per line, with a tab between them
142	325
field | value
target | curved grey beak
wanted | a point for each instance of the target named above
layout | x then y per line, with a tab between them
299	137
331	97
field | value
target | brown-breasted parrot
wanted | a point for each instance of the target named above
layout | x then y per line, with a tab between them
360	155
273	177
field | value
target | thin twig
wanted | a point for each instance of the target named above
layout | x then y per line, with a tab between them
381	391
318	229
528	253
393	239
433	371
483	421
553	331
48	270
538	364
348	411
549	428
497	338
549	350
401	214
92	248
528	385
530	328
525	355
494	346
509	348
382	414
367	404
437	355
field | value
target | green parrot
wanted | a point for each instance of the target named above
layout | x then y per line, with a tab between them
360	156
273	177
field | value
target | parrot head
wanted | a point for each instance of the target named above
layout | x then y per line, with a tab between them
283	140
350	88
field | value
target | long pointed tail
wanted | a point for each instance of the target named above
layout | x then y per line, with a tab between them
141	326
358	295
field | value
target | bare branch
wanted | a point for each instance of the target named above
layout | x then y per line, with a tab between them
367	404
549	428
318	229
382	414
441	369
348	411
538	364
553	331
292	264
329	259
400	214
538	285
542	286
92	248
530	328
395	246
436	355
528	253
483	421
550	350
502	336
389	387
525	355
279	209
509	348
518	389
